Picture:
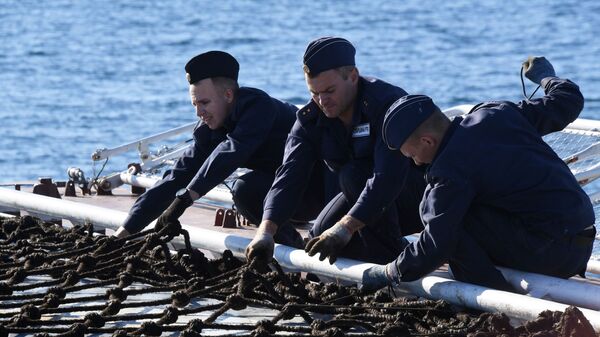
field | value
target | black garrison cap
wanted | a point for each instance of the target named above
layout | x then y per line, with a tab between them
328	53
212	64
404	116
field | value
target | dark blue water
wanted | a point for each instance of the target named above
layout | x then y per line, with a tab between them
80	75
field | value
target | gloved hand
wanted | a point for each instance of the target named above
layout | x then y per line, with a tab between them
375	278
330	242
261	247
538	68
172	213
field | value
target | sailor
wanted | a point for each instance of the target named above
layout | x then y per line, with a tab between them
341	125
238	127
496	193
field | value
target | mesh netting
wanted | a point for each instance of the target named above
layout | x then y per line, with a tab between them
571	141
69	282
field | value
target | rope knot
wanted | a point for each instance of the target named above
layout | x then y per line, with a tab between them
19	321
18	275
236	302
125	279
195	283
106	244
120	333
51	301
93	320
264	328
116	294
195	325
31	311
5	289
34	260
112	308
150	329
152	240
317	325
60	292
77	330
180	298
288	311
170	315
334	332
27	221
70	278
86	262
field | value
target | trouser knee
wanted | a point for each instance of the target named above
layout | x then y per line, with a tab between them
352	178
248	193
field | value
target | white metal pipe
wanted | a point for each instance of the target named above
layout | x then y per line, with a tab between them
481	298
585	125
593	267
61	208
216	195
580	124
430	286
100	154
138	180
154	162
589	175
458	110
572	291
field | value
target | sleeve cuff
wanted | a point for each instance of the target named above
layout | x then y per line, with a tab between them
393	273
269	214
362	213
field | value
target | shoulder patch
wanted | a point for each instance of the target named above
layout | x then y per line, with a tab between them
308	112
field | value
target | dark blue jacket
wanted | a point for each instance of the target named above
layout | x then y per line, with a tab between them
253	136
495	157
315	137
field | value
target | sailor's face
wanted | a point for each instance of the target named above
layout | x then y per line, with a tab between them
419	150
210	103
332	92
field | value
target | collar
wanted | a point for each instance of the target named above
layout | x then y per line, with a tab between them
231	119
447	136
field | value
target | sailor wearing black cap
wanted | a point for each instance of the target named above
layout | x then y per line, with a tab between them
238	127
341	125
497	194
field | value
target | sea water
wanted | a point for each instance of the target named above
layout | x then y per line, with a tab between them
80	75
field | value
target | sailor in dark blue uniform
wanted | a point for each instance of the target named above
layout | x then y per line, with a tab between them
497	194
239	127
341	125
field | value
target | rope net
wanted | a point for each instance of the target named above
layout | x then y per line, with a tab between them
57	281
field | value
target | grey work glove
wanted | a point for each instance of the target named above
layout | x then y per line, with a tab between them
537	68
172	213
375	278
261	247
329	243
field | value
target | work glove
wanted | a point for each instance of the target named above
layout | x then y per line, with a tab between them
375	278
261	247
172	213
537	68
329	243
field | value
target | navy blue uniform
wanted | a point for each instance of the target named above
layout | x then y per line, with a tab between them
498	194
371	176
253	136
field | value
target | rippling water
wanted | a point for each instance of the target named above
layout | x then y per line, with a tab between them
80	75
